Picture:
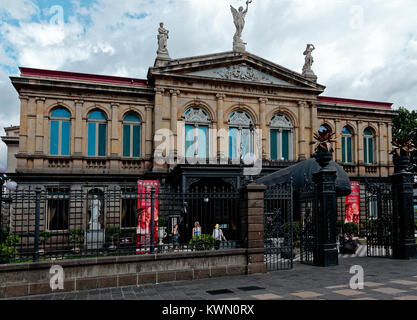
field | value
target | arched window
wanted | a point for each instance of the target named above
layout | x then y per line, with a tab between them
325	127
240	134
60	132
368	146
281	138
131	135
347	150
97	133
197	123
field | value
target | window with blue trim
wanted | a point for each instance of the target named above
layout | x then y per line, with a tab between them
347	145
131	135
97	134
60	132
281	138
368	146
241	135
197	142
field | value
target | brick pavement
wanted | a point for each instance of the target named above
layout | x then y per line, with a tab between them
385	279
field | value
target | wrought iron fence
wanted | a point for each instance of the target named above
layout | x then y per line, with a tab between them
379	220
307	206
280	233
65	223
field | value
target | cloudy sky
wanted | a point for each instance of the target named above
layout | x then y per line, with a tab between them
364	49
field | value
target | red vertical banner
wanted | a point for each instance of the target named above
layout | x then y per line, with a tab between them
143	229
352	203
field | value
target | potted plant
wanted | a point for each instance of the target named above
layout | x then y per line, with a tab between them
76	238
112	232
202	243
349	242
44	236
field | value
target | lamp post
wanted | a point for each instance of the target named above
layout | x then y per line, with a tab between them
10	185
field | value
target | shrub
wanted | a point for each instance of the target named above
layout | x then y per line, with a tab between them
77	236
8	248
203	242
112	232
351	228
296	230
44	237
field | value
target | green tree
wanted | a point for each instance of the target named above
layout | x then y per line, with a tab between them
404	124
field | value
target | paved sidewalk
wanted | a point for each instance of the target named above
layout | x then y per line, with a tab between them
385	279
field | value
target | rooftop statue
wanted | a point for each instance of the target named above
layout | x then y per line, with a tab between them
239	21
307	71
162	41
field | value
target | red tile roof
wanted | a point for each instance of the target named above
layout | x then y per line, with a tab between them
81	76
354	102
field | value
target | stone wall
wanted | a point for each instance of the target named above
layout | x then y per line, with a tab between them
26	279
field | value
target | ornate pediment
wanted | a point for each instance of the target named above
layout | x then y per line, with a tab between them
240	72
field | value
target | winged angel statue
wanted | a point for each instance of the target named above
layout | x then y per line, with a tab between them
239	21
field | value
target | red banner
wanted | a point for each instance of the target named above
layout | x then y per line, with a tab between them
143	230
352	203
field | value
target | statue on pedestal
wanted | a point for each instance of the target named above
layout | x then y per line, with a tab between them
239	21
307	72
95	214
162	42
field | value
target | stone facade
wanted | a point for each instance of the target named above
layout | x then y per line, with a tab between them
219	84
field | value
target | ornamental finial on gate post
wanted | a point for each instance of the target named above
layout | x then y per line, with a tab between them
323	147
403	147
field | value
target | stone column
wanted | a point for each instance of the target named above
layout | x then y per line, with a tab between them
78	133
221	154
404	246
314	125
262	122
326	253
302	135
159	95
174	119
252	226
115	140
389	146
360	142
40	102
338	143
148	132
23	131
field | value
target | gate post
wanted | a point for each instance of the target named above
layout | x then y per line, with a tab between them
37	222
326	253
404	246
252	226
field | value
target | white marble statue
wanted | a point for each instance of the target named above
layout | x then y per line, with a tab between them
95	214
308	60
162	41
239	21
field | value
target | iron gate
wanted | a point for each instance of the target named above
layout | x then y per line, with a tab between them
278	231
379	220
307	206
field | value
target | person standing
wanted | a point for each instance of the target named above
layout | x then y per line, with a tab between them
218	236
175	236
196	230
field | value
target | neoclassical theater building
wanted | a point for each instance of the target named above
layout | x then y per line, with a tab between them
94	131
